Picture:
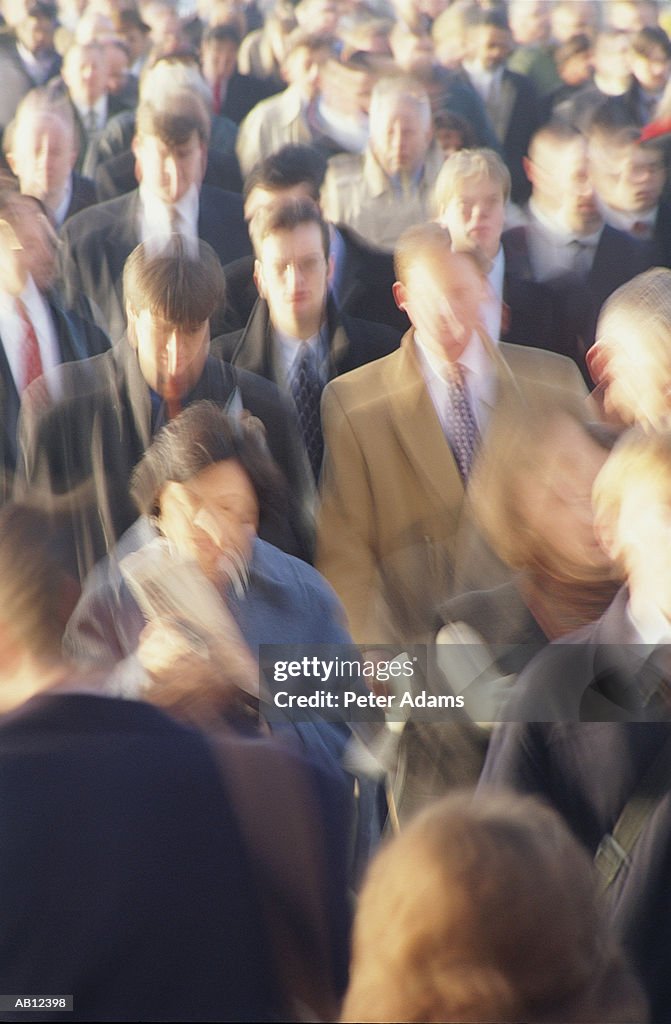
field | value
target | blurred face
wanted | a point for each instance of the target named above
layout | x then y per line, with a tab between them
491	46
612	59
529	21
117	70
292	275
171	358
641	539
302	69
43	157
475	214
442	298
219	61
629	179
85	74
400	135
577	69
557	499
572	19
36	34
562	185
652	71
639	372
137	42
30	247
211	516
170	171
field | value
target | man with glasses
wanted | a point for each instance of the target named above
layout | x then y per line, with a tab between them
296	336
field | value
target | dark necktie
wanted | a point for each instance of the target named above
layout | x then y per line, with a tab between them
31	360
306	392
462	428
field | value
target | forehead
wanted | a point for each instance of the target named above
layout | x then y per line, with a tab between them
154	144
303	240
217	481
477	187
446	271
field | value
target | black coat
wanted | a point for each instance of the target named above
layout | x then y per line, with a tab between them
352	343
97	242
87	443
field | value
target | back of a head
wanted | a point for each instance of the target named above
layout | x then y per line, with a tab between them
485	910
286	168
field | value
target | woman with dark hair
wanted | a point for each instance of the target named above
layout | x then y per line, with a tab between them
194	569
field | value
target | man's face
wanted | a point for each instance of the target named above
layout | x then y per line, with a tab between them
43	157
85	74
30	247
612	58
475	213
628	178
117	70
171	358
400	137
563	187
652	71
302	69
638	372
442	298
292	275
491	46
219	60
168	172
213	515
36	34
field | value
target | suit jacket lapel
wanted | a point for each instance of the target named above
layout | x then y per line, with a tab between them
417	425
254	351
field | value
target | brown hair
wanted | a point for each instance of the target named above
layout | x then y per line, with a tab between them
181	286
467	164
485	910
287	215
431	240
174	127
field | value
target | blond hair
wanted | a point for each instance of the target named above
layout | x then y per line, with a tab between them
464	165
485	910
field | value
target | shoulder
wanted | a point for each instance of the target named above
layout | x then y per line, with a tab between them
543	367
213	198
274	568
98	218
363	386
225	346
378	339
345	167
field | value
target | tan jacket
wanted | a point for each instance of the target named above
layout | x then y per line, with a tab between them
393	507
271	124
357	192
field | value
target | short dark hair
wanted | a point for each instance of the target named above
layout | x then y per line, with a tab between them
183	283
645	41
479	17
286	215
174	127
289	166
202	435
221	34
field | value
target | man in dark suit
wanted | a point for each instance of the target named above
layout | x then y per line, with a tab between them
170	150
36	331
85	77
362	276
510	99
295	328
41	148
233	94
166	854
27	57
565	247
80	450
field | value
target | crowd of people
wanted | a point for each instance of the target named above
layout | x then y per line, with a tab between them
335	332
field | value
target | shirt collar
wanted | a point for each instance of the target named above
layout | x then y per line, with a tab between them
473	360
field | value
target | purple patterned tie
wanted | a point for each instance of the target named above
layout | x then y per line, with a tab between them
462	428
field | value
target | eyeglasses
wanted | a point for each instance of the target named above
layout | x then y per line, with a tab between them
309	266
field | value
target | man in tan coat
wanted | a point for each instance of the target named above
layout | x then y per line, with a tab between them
401	434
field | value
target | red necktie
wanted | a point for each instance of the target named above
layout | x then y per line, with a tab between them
31	360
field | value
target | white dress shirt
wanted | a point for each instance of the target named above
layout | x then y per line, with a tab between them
158	220
13	329
480	380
